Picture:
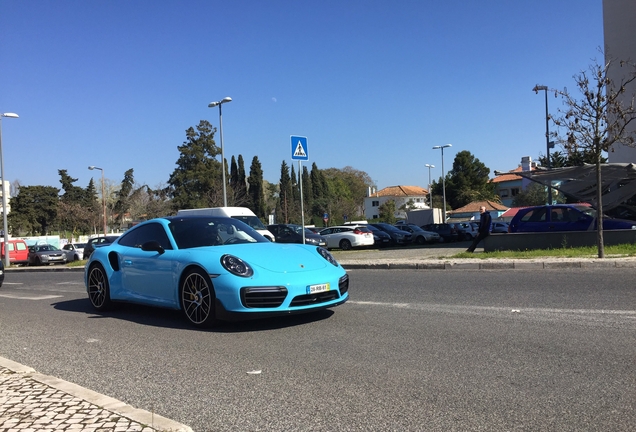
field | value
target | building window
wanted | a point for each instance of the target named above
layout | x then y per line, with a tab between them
514	191
375	203
376	217
503	193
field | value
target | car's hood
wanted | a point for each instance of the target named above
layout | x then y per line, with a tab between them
279	257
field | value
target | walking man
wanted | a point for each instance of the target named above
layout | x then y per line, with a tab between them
485	220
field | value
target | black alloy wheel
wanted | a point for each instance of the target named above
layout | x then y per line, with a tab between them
345	244
197	298
98	288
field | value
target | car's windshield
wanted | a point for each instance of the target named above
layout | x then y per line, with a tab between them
45	248
389	227
587	210
252	221
191	232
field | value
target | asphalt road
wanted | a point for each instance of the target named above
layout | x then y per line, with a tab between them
413	350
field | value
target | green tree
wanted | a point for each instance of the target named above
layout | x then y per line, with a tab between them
319	194
598	120
72	193
33	210
574	158
387	212
196	181
285	202
307	196
75	206
468	181
534	194
294	209
238	195
256	192
122	205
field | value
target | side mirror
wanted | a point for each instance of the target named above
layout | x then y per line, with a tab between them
153	246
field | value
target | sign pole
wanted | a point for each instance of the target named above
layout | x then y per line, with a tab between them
299	152
302	204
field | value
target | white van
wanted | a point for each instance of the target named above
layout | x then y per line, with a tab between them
243	214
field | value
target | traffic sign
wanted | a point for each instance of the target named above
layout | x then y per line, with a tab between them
299	148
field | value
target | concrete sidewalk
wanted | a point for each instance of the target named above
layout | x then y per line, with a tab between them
30	401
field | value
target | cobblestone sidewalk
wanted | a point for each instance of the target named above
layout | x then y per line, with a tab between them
32	402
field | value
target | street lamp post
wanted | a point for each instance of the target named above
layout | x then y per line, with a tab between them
92	167
442	147
430	194
547	132
5	225
212	105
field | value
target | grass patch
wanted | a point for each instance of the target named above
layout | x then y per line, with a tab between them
624	250
79	263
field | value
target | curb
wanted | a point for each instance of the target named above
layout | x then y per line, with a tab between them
107	403
41	269
488	265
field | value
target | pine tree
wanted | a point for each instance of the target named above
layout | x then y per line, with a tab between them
122	203
196	182
256	193
285	193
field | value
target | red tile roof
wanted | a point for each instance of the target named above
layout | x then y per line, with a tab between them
473	207
509	176
401	191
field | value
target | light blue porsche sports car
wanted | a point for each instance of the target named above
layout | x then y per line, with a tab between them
213	268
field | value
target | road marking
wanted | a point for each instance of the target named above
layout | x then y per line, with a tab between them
13	283
507	309
17	297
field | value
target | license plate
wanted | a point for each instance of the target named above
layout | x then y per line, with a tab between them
313	289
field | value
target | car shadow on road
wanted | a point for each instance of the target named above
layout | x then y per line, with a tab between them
168	318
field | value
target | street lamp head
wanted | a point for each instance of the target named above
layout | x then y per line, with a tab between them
93	167
217	103
12	115
539	87
429	166
442	146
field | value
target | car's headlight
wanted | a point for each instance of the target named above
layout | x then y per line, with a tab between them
312	240
236	266
326	255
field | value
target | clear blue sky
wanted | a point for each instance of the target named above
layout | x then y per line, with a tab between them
372	84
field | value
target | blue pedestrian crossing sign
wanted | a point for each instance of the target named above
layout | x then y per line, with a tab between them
299	148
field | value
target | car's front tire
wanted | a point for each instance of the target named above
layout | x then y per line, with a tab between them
197	298
98	288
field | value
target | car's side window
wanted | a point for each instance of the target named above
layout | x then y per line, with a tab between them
560	214
535	215
146	233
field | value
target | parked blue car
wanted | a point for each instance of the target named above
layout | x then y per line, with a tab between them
213	268
563	217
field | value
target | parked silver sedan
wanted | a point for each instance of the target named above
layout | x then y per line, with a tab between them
420	236
44	254
74	251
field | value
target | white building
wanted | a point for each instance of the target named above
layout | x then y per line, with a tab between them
619	31
414	196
